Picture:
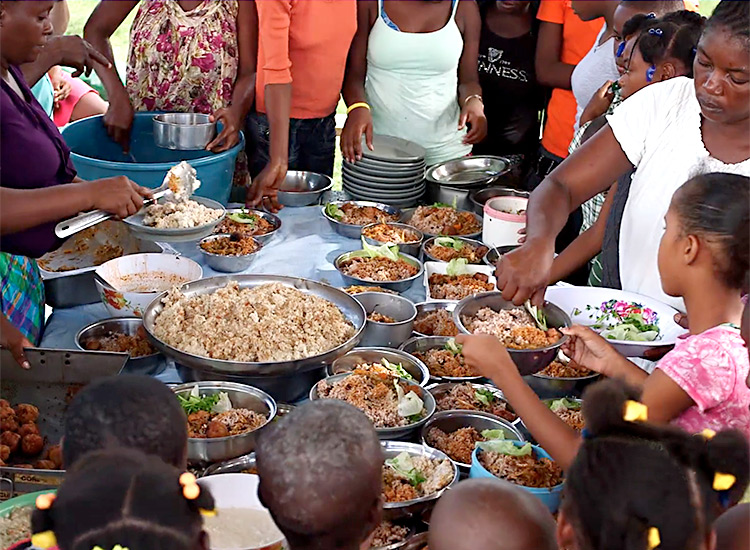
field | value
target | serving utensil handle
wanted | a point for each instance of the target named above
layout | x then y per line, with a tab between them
83	221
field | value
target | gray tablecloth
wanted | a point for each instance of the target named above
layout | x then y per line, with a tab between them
305	247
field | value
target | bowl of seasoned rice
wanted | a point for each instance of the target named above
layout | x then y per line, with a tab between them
562	377
358	268
388	361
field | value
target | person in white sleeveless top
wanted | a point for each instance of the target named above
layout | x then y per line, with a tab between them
412	73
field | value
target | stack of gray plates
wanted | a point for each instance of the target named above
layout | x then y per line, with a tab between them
392	173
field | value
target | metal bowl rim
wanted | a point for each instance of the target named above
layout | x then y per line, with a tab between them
215	236
397	323
458	379
95	324
403	225
328	186
268	216
379	205
420	364
160	120
474	242
406	257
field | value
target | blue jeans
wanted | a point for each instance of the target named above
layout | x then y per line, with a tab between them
312	143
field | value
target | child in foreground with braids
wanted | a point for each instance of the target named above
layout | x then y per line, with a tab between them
635	485
703	258
123	499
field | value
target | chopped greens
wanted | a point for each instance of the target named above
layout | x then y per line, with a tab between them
409	404
509	448
452	347
243	217
194	402
485	396
449	242
397	369
334	211
384	251
491	435
623	321
454	206
457	266
404	465
564	404
539	317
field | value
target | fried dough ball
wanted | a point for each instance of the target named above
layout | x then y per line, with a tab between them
44	465
26	413
7	412
11	440
5	405
32	444
28	428
4	452
216	429
54	455
9	424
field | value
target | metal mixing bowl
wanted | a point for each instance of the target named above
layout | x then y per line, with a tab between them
528	361
183	131
397	286
303	188
224	263
438	390
357	356
454	180
411	248
425	343
547	387
355	231
400	432
426	256
425	307
387	335
241	396
270	218
479	197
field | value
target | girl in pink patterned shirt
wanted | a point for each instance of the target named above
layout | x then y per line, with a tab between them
703	258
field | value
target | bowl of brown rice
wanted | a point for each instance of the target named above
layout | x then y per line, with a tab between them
397	362
442	357
407	238
470	396
561	378
358	268
435	319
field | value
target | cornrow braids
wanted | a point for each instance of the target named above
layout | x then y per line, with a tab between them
123	497
631	477
732	15
675	36
636	23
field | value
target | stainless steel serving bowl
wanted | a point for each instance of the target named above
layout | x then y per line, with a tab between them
303	188
397	286
183	131
454	180
224	263
426	256
528	361
270	218
425	307
438	390
241	396
479	197
233	466
450	421
424	343
396	510
355	231
409	213
357	356
494	254
400	432
150	365
387	335
547	402
411	248
549	387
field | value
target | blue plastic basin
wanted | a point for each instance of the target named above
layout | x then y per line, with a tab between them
97	156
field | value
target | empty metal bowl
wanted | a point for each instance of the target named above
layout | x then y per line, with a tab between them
528	361
397	286
494	254
358	356
426	307
424	343
303	188
411	248
183	131
223	262
150	365
387	335
426	256
479	197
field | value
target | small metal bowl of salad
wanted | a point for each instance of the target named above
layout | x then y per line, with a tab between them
400	363
258	224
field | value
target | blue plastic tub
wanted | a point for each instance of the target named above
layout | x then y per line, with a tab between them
96	156
550	497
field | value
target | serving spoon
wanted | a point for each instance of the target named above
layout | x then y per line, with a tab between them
179	185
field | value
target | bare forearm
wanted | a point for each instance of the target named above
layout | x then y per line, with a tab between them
26	208
278	106
468	89
243	94
555	75
354	89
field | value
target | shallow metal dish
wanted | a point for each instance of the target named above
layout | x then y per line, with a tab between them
387	335
355	231
528	361
183	131
396	510
357	356
241	396
397	286
351	308
425	307
150	365
224	263
409	213
450	421
553	387
400	432
494	254
233	466
273	219
424	343
303	188
469	171
437	390
135	222
479	197
426	256
411	248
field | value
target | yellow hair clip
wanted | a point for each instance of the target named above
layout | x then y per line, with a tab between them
45	539
116	547
654	539
708	433
207	513
44	502
635	411
723	482
190	488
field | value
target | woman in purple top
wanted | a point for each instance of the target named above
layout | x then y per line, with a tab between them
38	184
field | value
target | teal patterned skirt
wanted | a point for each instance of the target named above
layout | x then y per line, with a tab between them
22	295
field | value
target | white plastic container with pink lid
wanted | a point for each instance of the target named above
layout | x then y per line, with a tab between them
504	217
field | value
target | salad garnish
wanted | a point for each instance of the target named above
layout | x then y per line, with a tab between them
452	347
404	465
195	402
334	211
243	217
498	444
397	369
457	266
384	251
625	321
449	242
564	404
484	396
409	404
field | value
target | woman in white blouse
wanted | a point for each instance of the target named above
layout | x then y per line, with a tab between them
669	132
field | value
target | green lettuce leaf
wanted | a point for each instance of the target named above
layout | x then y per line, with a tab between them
409	404
403	465
493	435
457	266
452	347
537	314
243	217
506	447
384	251
334	211
484	396
449	242
564	404
397	369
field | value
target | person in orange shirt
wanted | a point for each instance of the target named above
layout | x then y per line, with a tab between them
302	51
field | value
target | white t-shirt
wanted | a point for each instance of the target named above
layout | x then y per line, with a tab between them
659	129
596	67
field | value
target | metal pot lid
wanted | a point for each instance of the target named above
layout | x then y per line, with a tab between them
468	171
393	149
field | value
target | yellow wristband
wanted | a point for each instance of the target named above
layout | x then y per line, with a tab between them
357	106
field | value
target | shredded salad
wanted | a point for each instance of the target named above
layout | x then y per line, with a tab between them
624	321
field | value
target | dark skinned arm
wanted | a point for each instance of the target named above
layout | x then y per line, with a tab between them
472	113
550	71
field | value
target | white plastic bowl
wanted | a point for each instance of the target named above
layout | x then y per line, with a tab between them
500	226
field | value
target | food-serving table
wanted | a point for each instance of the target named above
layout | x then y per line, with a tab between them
305	246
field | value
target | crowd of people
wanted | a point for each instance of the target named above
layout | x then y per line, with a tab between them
629	122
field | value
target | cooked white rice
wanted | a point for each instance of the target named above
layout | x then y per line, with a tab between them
179	215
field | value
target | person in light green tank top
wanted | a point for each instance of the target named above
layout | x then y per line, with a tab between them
406	63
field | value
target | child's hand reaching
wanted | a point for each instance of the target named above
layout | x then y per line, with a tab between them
488	356
590	350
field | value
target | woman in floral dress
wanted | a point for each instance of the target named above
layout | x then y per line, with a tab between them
185	56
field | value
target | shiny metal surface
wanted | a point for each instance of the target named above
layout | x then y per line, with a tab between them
400	432
183	131
387	335
424	343
355	231
425	307
429	242
478	197
273	219
397	286
469	171
241	396
150	365
135	223
303	188
527	361
494	254
411	248
234	466
351	308
409	212
357	356
224	263
547	387
396	510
